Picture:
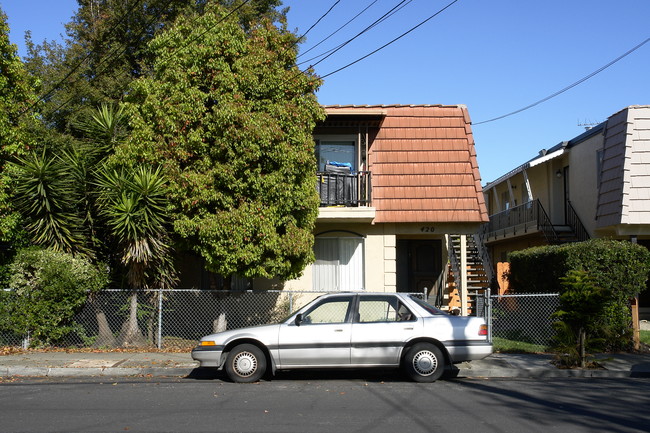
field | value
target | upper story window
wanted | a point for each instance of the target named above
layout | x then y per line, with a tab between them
341	149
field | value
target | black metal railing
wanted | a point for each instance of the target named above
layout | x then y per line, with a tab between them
343	189
522	219
573	221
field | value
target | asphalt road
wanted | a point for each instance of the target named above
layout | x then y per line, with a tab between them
347	402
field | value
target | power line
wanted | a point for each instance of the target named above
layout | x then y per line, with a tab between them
375	23
99	73
569	87
56	87
389	43
339	29
319	20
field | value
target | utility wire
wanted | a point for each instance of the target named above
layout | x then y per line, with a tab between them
319	20
337	30
569	87
378	21
389	43
99	73
56	86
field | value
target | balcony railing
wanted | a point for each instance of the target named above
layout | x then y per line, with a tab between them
526	218
343	189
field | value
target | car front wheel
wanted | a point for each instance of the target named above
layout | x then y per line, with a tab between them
245	363
424	362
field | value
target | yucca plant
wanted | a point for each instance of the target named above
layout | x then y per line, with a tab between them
46	195
132	203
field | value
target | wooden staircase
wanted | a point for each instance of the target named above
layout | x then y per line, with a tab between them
477	276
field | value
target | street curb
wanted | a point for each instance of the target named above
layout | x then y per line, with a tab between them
500	373
93	372
542	373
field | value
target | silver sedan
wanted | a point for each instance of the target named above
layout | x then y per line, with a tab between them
350	330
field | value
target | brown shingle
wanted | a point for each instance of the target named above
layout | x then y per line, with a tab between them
423	164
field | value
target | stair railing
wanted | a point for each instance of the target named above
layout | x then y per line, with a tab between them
573	221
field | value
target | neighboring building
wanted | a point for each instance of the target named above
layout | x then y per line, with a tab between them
396	181
596	185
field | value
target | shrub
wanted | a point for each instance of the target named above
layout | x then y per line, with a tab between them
619	267
582	303
47	289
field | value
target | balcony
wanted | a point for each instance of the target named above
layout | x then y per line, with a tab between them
343	189
345	197
520	220
532	218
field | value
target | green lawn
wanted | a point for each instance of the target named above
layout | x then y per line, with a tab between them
645	337
514	346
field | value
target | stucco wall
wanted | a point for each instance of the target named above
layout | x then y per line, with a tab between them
379	256
583	162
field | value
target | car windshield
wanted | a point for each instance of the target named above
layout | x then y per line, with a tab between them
427	307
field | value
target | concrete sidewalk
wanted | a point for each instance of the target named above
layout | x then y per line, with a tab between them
82	364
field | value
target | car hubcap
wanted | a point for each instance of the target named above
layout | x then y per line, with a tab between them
425	363
245	364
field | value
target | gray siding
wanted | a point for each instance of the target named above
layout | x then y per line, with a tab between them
624	190
610	194
637	196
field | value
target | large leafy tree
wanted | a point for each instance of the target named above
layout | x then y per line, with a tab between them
16	97
105	50
229	117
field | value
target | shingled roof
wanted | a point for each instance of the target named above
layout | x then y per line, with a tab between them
423	164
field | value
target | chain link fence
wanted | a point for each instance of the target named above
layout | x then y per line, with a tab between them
178	318
523	318
171	318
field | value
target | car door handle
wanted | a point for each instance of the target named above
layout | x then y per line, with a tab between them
338	330
408	329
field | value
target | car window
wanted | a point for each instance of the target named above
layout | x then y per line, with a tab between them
329	311
383	309
427	307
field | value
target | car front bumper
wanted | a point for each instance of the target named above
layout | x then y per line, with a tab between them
208	356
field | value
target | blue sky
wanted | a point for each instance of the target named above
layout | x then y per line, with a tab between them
493	56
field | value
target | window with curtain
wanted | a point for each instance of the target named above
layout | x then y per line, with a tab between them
339	264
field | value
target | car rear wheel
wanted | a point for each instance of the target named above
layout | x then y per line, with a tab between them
424	362
245	363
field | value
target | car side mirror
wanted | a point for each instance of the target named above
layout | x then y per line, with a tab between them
298	319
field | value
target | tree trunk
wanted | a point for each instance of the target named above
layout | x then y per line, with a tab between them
105	337
582	341
131	336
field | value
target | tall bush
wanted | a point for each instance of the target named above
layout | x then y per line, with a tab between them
619	267
47	288
582	304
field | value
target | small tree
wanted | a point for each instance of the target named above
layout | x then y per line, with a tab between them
582	304
133	206
48	288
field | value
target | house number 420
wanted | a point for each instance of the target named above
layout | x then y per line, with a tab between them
427	229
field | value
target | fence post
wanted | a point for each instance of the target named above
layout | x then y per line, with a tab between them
160	307
26	341
488	305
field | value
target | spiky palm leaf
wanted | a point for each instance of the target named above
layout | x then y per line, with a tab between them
133	205
106	126
46	196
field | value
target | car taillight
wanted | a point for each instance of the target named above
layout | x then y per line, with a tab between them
483	330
